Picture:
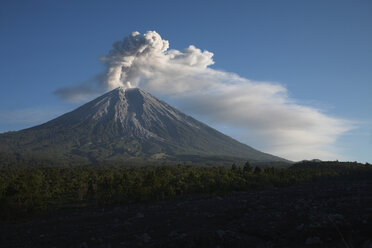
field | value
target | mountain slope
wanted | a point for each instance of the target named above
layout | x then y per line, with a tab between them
127	124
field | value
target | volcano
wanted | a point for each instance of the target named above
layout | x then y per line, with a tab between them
128	125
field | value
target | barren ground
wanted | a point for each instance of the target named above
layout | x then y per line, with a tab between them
319	214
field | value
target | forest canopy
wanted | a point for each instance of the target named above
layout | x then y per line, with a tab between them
28	190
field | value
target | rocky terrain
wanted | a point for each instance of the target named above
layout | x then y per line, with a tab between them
128	126
320	214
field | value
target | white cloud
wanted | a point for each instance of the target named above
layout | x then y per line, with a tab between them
262	110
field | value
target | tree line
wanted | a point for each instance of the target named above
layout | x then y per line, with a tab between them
28	190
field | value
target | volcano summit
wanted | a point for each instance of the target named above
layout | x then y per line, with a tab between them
128	125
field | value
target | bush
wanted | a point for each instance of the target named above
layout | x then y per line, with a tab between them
24	191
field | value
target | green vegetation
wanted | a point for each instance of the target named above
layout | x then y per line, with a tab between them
25	191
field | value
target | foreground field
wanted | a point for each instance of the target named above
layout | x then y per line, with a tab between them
337	213
312	204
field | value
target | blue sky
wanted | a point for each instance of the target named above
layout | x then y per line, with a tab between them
321	51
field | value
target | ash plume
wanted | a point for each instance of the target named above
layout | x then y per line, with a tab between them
261	111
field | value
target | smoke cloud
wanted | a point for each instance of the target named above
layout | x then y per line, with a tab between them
264	114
